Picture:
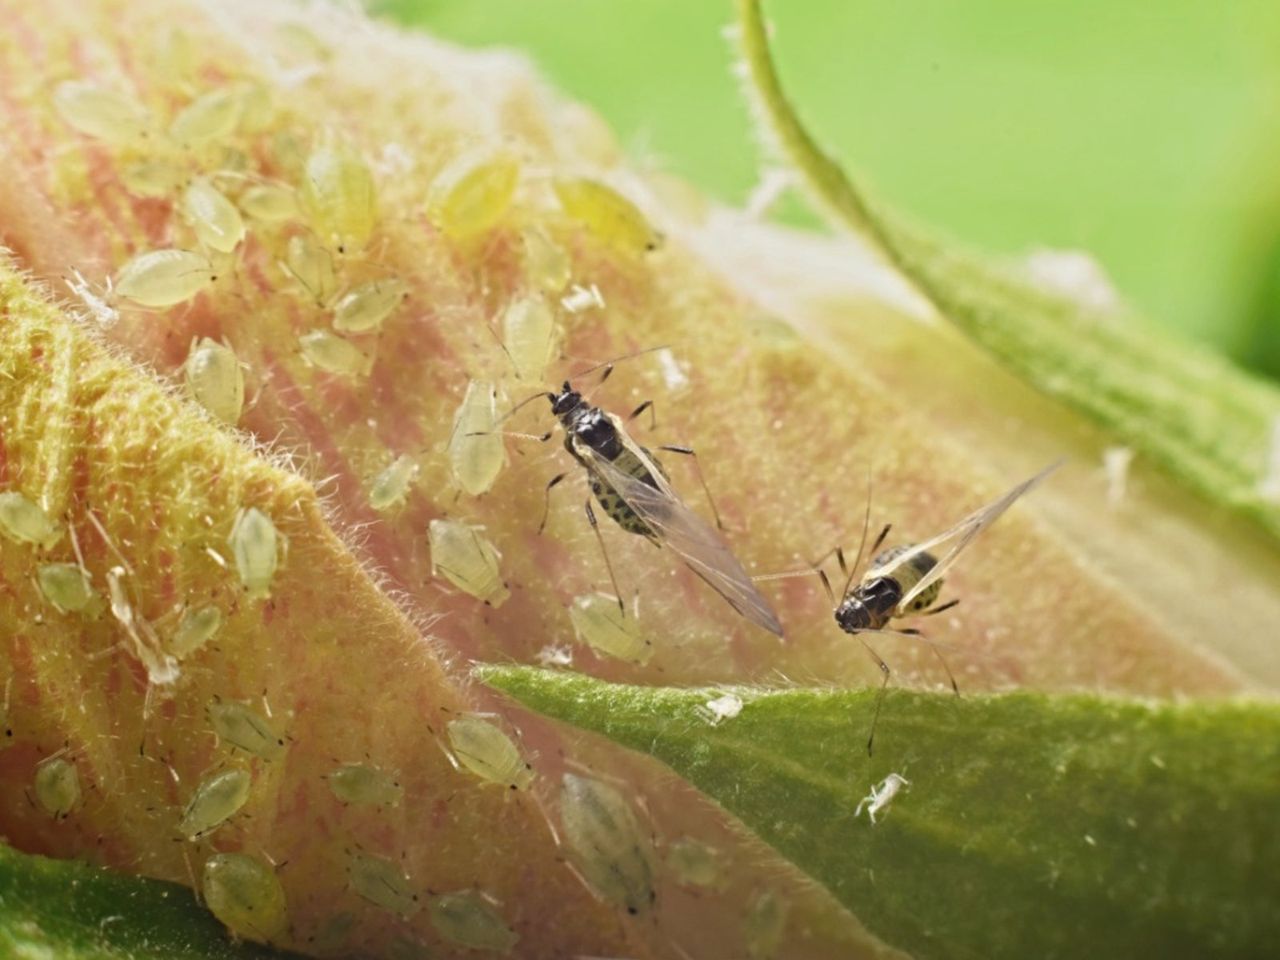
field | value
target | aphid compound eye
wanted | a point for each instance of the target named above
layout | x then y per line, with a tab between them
468	918
339	197
364	308
472	194
217	799
363	785
332	354
57	787
215	379
608	214
482	748
246	895
467	560
254	544
240	726
163	278
25	522
529	334
391	486
601	625
476	452
606	844
197	627
383	883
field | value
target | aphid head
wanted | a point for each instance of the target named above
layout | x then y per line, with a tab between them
868	605
564	401
852	615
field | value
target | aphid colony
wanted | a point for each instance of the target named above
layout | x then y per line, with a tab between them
316	226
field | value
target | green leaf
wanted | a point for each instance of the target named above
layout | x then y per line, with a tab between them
70	910
1207	423
1033	826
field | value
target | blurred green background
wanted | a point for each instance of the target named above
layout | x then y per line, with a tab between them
1144	131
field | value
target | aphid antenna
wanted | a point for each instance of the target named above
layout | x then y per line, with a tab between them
810	571
106	539
609	364
880	695
541	395
75	548
862	543
503	347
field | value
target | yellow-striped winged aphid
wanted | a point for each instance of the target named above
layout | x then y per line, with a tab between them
632	487
906	580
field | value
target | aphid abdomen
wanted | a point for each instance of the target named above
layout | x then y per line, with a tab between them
602	626
216	800
614	505
908	575
246	895
606	844
23	521
468	919
361	784
215	379
254	544
57	787
618	510
339	195
482	748
476	453
242	727
164	278
383	883
467	560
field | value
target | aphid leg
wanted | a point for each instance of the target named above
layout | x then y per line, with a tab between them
814	568
595	527
608	372
697	466
884	686
546	500
826	585
912	632
542	395
540	437
503	347
942	609
653	413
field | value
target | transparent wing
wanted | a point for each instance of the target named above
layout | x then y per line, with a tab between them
698	544
963	533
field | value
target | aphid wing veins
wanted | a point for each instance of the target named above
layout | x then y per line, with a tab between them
963	533
701	547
